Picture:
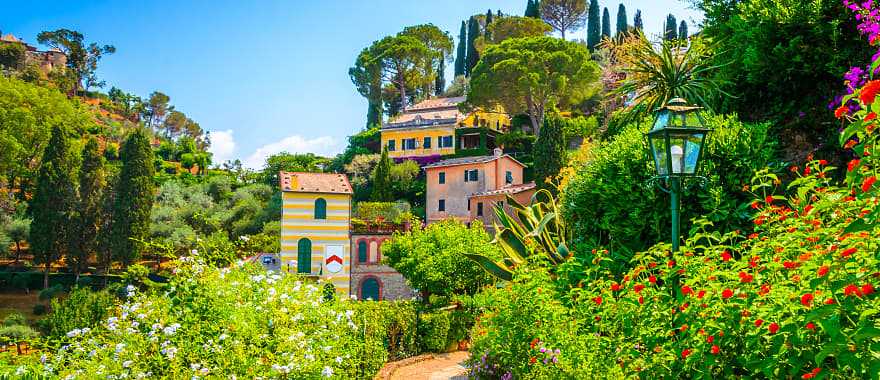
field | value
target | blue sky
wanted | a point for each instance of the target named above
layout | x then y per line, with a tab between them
262	76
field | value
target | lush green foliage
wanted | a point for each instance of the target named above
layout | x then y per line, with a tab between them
550	152
81	308
134	198
432	258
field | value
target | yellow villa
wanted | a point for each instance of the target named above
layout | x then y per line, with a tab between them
436	127
315	222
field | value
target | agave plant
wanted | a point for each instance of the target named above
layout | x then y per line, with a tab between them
536	229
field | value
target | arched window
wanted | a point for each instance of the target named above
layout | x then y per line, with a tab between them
304	256
320	208
362	251
370	289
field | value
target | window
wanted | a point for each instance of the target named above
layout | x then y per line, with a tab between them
508	177
444	142
441	206
408	144
479	208
370	289
362	251
320	208
427	143
304	256
391	145
471	175
442	177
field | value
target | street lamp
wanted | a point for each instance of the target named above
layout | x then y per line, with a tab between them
676	143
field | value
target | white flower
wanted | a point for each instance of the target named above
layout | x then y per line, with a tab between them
327	372
170	330
194	252
119	347
244	238
73	333
339	360
127	363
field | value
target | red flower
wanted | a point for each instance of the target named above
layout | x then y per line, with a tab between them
652	265
710	339
701	293
852	290
769	199
823	270
790	264
725	256
532	360
866	185
829	301
852	165
597	300
847	252
534	343
764	289
867	289
641	300
715	350
869	92
759	322
745	277
810	326
615	287
773	328
840	111
807	299
686	290
870	116
727	293
671	263
638	287
685	353
812	374
652	279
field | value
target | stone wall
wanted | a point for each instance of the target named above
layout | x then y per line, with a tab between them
392	285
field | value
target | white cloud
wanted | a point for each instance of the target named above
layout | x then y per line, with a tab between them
222	146
322	146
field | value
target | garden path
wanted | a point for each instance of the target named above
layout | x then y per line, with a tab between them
440	367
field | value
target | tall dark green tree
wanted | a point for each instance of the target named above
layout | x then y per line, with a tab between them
622	21
440	80
134	198
606	23
382	180
89	212
53	202
531	10
549	152
461	50
472	55
637	21
593	29
683	30
670	31
487	34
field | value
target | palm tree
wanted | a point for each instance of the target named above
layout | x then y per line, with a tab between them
654	76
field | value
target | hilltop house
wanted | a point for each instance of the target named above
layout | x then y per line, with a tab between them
436	127
46	60
467	188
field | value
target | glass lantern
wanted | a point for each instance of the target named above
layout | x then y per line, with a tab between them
676	139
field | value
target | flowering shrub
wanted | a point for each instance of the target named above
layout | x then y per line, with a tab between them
235	322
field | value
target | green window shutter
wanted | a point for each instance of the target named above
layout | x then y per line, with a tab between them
304	256
362	251
442	177
370	289
320	208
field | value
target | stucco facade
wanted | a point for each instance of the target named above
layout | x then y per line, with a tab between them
369	277
489	200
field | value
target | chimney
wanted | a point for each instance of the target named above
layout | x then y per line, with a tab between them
498	152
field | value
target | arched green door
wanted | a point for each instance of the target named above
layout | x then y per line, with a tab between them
362	251
304	256
320	208
370	289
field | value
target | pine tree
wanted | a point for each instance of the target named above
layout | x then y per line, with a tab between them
489	18
134	198
538	8
382	179
670	31
461	52
89	207
606	23
549	152
472	55
440	81
683	30
530	9
622	21
593	31
53	202
637	21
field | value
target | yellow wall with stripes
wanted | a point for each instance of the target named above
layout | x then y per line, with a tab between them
298	222
419	133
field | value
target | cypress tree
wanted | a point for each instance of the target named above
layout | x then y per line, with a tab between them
683	30
134	198
374	112
440	81
53	202
461	52
89	207
637	21
382	179
489	18
530	9
670	31
538	8
593	32
472	55
606	23
622	22
549	152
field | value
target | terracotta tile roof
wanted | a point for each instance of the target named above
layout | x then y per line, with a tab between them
469	160
507	189
9	38
436	111
437	103
298	182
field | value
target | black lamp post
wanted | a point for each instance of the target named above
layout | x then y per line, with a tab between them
676	143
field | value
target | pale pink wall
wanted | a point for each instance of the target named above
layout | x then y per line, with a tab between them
456	192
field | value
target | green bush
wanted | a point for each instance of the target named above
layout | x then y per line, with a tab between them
81	308
434	331
51	292
15	319
40	309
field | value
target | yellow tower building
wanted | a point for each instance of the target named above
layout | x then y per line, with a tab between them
315	224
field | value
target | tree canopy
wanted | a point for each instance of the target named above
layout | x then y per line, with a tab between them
82	60
564	15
